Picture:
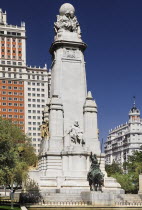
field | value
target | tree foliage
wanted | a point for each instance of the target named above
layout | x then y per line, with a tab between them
16	154
128	176
113	168
127	182
32	194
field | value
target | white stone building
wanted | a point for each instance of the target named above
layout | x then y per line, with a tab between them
124	139
37	91
23	90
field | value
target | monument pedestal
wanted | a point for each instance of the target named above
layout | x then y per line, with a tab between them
111	185
65	170
99	198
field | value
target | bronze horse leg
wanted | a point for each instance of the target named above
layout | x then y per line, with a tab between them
90	184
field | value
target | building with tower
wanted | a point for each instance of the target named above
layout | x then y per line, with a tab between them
23	90
124	139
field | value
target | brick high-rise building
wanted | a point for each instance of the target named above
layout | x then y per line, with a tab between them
12	67
23	90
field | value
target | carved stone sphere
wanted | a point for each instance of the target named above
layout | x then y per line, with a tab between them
66	8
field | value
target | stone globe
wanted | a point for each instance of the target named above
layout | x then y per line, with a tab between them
66	8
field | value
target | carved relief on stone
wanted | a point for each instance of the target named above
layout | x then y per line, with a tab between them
67	21
71	53
76	134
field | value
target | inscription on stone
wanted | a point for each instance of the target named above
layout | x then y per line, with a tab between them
70	53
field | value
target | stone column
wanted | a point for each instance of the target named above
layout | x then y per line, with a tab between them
56	124
44	165
90	125
140	184
68	80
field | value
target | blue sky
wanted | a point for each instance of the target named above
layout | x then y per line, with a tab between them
112	29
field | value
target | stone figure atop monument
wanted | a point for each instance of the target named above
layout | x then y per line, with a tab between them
67	22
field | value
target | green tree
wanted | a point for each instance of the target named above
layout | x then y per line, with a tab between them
128	175
113	168
32	194
126	181
134	167
134	163
16	155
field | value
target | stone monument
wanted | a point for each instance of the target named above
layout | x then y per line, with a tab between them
140	183
70	115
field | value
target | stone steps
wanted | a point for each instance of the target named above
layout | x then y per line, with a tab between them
129	200
61	197
128	204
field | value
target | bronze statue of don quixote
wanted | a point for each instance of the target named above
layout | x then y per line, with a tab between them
95	177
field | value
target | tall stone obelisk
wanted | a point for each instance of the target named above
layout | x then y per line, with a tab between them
68	82
71	113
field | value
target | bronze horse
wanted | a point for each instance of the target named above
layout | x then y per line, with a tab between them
96	182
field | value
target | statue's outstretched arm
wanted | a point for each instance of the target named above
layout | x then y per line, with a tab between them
91	156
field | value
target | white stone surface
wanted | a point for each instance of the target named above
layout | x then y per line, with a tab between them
23	208
140	184
66	7
56	124
67	26
98	198
90	125
68	81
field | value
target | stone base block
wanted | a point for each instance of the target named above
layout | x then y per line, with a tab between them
75	183
63	183
61	197
140	184
110	184
98	198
